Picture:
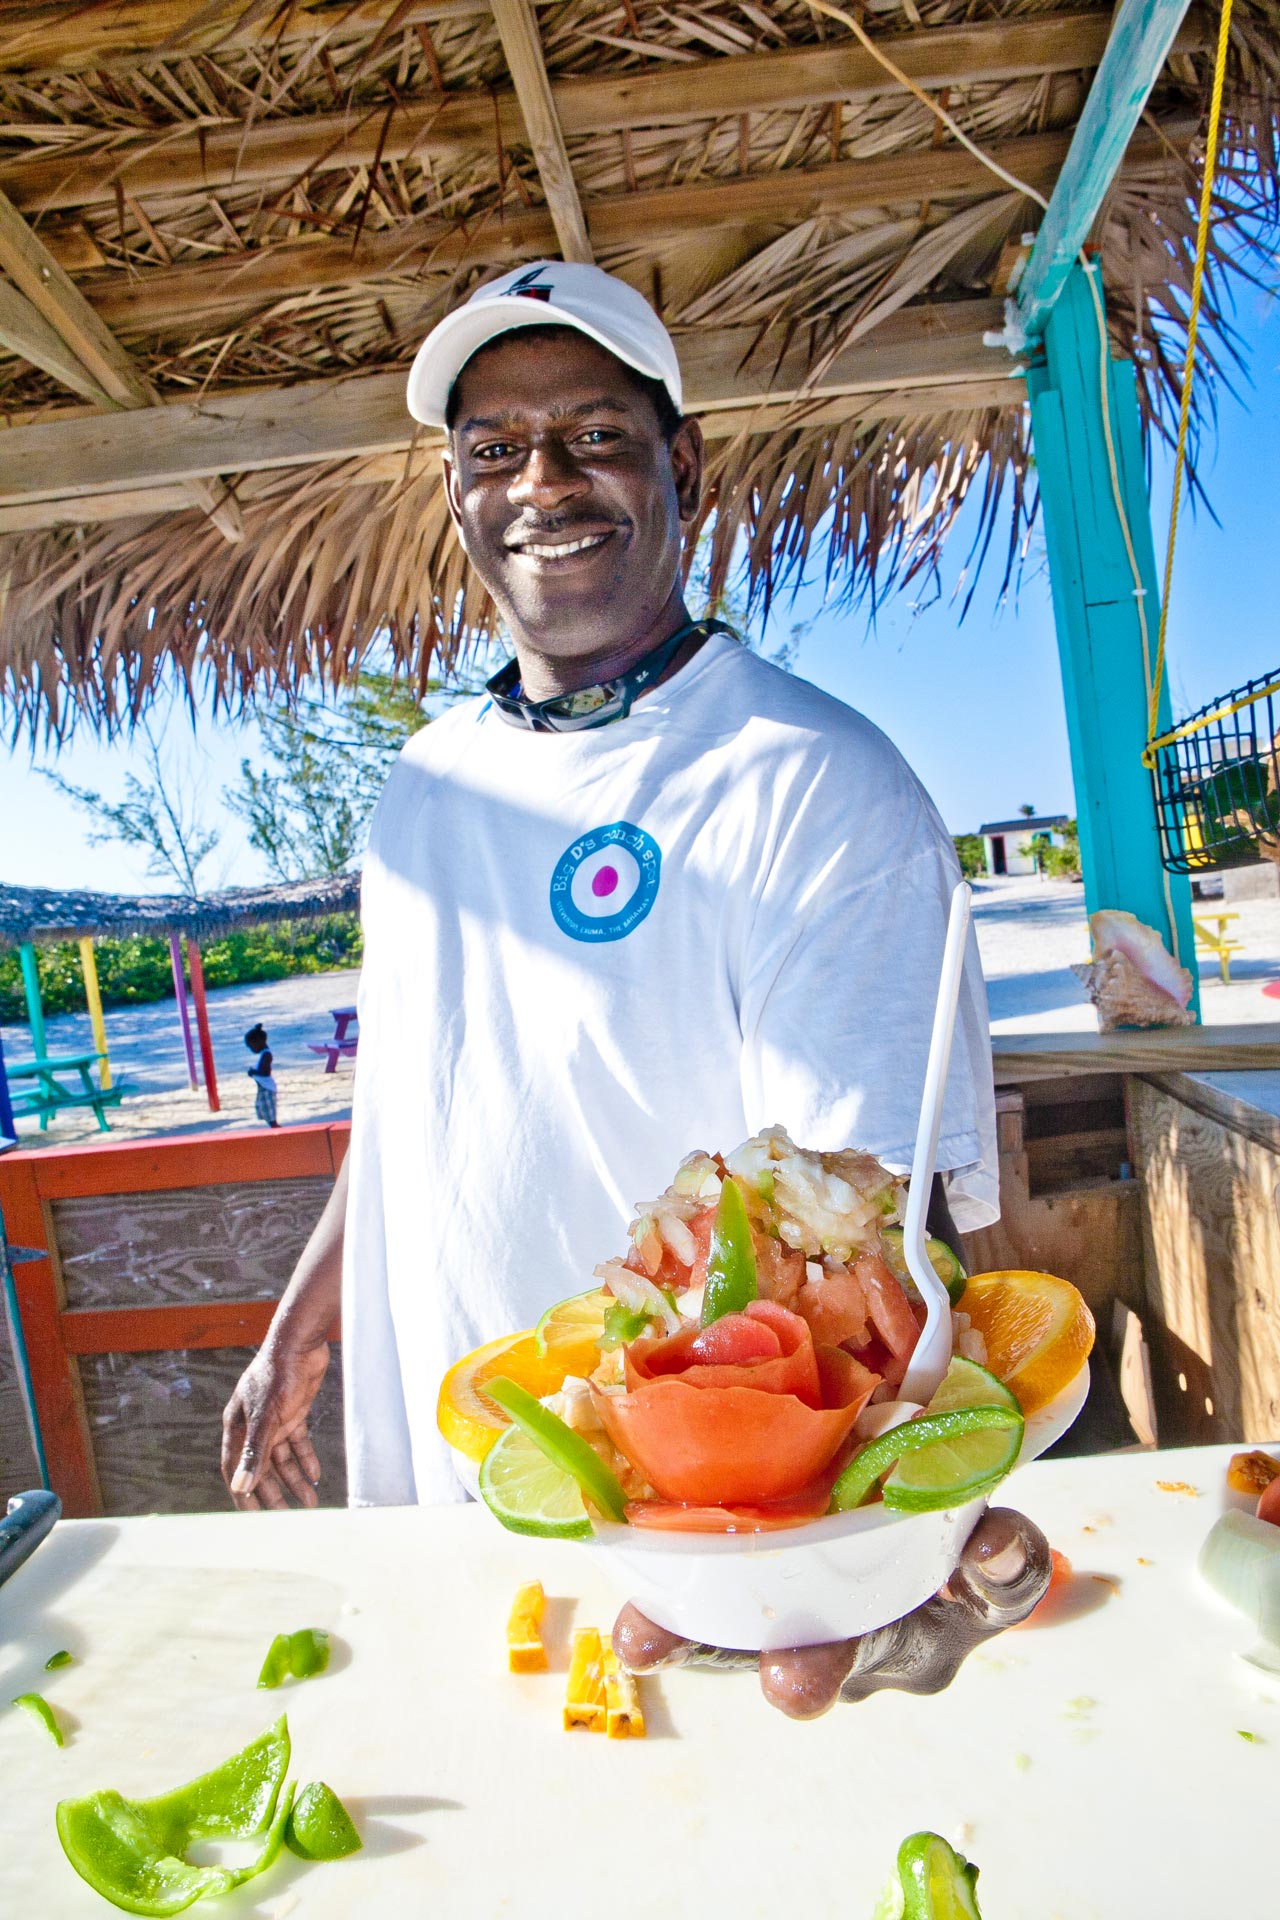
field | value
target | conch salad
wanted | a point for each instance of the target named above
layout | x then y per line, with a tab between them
759	1319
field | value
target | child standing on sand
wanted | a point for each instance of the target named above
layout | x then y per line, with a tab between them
260	1073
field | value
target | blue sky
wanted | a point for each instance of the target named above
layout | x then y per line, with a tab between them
976	707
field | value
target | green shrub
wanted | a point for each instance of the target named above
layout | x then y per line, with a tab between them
134	972
972	852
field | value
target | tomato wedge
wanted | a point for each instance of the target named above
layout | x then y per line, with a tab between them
727	1436
793	1371
673	1516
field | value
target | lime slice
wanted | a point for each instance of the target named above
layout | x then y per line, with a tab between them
963	1465
529	1493
320	1828
933	1882
571	1328
944	1263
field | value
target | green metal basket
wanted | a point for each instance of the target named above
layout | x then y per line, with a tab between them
1217	782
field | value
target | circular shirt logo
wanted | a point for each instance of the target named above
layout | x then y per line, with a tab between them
606	882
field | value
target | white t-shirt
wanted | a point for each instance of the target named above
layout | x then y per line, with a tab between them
587	954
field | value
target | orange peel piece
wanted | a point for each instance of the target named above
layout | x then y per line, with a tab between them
525	1651
585	1704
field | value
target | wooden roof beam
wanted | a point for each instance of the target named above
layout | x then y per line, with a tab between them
392	469
213	158
168	300
129	32
26	332
928	346
56	300
522	49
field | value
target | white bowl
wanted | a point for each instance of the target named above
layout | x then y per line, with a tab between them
828	1580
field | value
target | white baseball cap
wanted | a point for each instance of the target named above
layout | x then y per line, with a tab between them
551	293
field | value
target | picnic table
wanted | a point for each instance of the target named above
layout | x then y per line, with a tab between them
49	1094
340	1046
1066	1763
1218	942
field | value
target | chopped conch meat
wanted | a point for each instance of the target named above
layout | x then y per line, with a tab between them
1133	979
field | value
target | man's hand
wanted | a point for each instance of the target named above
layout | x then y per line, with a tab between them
267	1456
1003	1572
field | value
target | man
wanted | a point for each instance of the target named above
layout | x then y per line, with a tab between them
652	894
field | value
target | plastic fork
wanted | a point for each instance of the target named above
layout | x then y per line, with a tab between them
932	1354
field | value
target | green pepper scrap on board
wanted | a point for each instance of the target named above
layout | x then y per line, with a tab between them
731	1261
295	1656
320	1828
131	1851
38	1709
932	1882
60	1659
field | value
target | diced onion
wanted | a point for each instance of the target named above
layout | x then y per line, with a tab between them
1240	1560
639	1294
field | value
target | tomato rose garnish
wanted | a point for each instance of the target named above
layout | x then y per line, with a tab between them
712	1432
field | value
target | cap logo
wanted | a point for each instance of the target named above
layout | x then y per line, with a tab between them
529	288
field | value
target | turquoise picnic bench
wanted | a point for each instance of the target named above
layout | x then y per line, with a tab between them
50	1094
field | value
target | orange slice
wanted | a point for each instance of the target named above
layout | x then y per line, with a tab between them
1038	1329
466	1416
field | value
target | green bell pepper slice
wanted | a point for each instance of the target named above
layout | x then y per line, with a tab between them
295	1656
731	1262
37	1708
131	1851
563	1447
60	1659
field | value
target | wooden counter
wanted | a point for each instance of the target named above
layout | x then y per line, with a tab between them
1093	1769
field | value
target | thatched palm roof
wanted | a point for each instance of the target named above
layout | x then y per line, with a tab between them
42	914
268	204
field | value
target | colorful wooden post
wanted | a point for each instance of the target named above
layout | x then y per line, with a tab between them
89	968
184	1011
1096	612
196	970
8	1127
31	989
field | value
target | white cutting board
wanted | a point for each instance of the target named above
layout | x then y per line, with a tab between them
1094	1769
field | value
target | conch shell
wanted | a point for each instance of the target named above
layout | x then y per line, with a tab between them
1133	979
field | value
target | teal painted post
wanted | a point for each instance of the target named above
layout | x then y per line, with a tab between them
31	987
1096	614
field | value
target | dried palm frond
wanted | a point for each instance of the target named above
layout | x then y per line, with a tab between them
336	561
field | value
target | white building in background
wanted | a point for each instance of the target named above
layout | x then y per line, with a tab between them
1009	845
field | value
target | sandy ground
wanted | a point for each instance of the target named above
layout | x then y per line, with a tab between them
1029	933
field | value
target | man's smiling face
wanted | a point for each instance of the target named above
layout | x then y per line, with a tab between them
569	496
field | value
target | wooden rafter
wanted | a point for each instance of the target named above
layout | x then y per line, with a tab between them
931	348
210	158
395	468
58	35
56	300
26	332
518	31
167	300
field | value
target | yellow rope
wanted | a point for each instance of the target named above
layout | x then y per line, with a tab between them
1188	376
1224	712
